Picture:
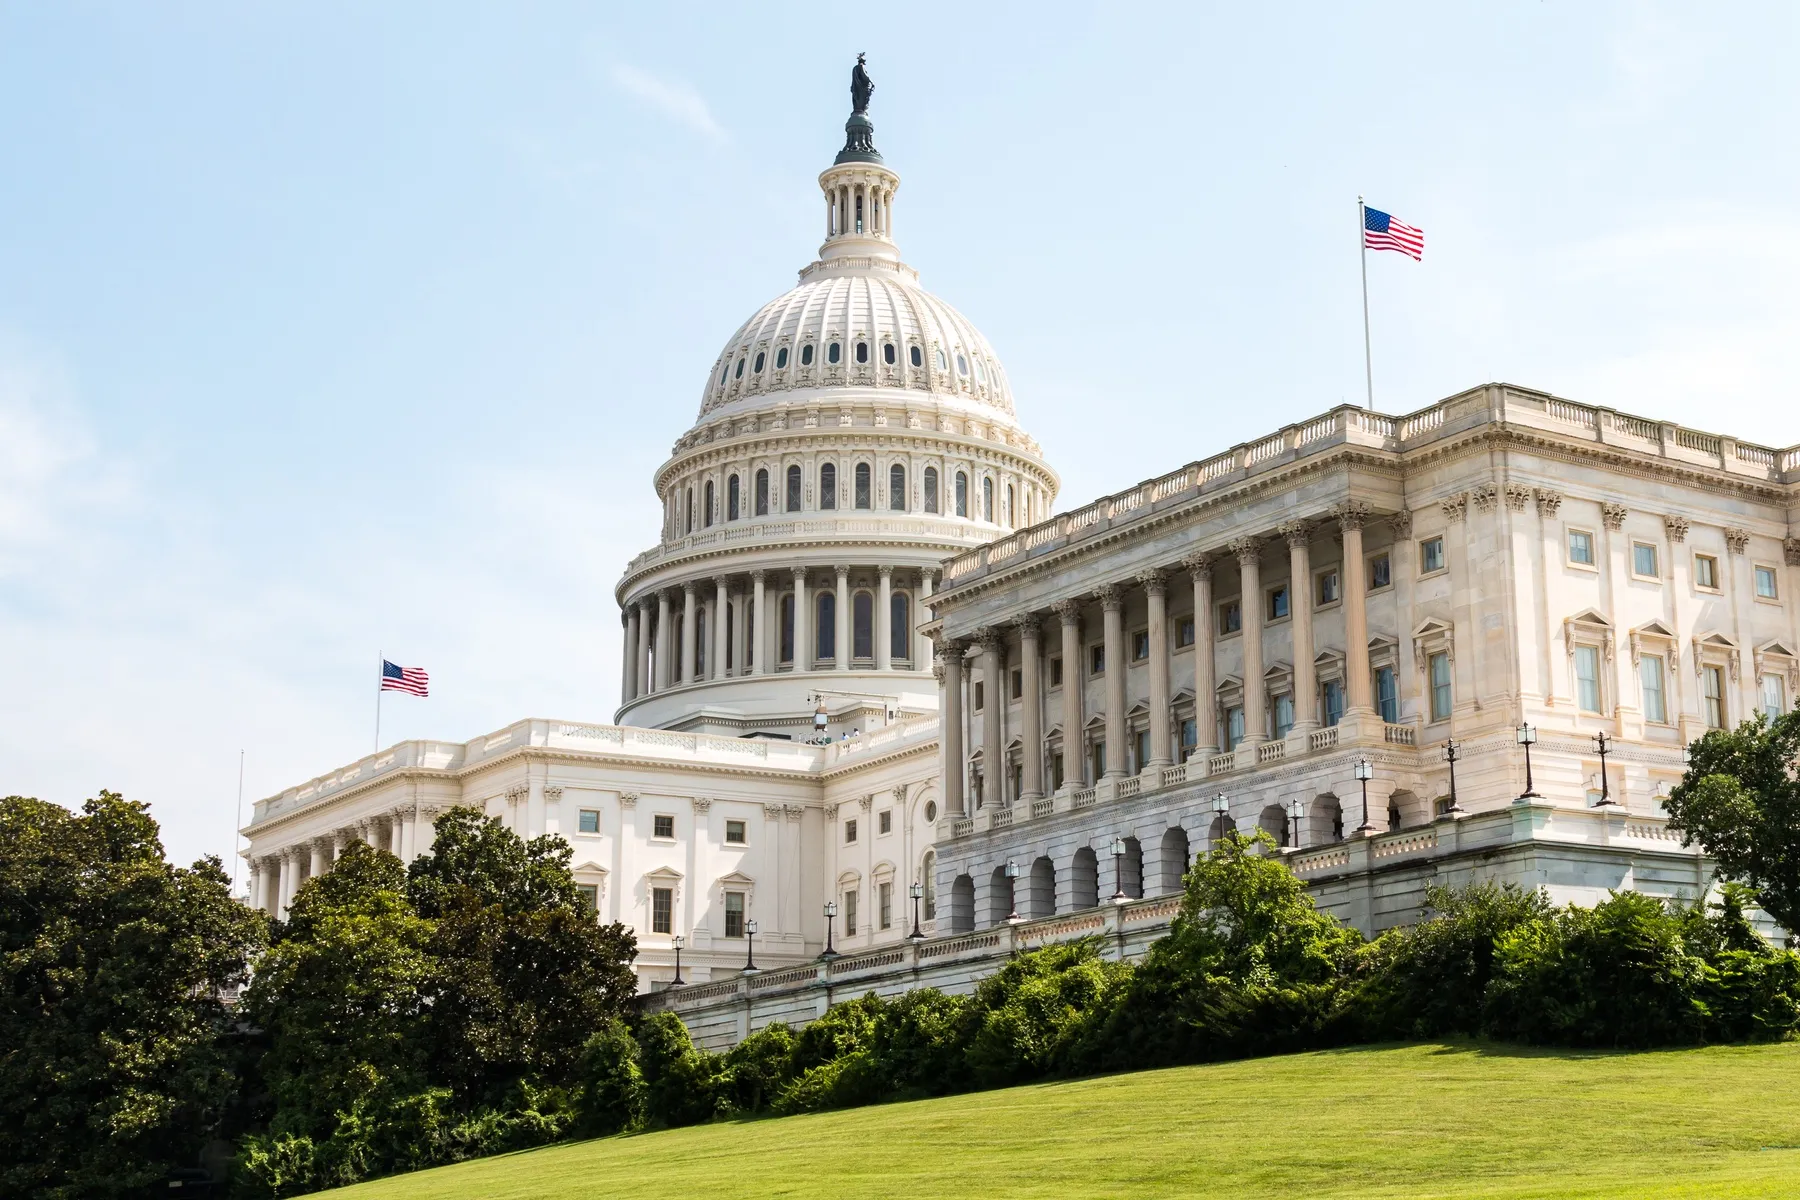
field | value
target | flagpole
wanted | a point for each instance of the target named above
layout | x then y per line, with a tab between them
380	666
237	824
1362	242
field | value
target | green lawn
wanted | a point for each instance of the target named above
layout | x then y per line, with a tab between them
1413	1121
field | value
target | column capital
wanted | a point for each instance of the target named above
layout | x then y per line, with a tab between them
885	570
1677	527
1200	564
1154	581
1736	540
689	587
1790	550
1548	502
1401	523
1296	532
757	574
1614	515
951	651
799	575
1351	514
1247	550
842	572
1111	596
1455	506
1027	625
1068	610
989	639
1517	496
1485	497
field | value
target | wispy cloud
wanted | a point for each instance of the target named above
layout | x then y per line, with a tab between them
674	99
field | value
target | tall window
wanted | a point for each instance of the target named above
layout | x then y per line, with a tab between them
1581	547
884	891
931	499
1234	726
793	488
1387	694
700	643
928	877
1439	666
706	517
826	638
1010	496
862	625
899	626
863	486
1774	696
762	491
1431	555
850	913
1284	715
1712	687
1587	678
734	914
1650	678
1190	737
828	485
1140	749
897	488
787	627
662	910
688	500
962	494
987	500
1097	759
1334	701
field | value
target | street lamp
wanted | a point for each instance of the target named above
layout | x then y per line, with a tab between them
1364	773
830	920
1605	784
917	891
678	980
1527	735
1222	814
820	720
750	967
1295	810
1450	757
1118	855
1012	890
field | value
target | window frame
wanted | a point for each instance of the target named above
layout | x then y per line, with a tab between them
1655	575
1432	686
656	827
1426	570
581	822
1759	571
1096	659
743	906
1231	617
1272	595
741	827
662	910
1572	532
850	831
1716	587
1645	663
1140	637
1385	558
1335	578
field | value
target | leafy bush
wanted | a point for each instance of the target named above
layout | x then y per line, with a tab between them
610	1098
758	1069
680	1081
1027	1018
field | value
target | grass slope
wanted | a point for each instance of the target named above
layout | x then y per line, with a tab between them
1413	1121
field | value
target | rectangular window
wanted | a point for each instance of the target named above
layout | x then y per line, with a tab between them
978	695
1712	687
884	821
884	904
1650	678
662	826
1190	737
1097	659
1387	694
1018	683
662	910
1431	555
1097	753
1231	617
1774	696
850	914
1706	572
1581	547
590	896
1018	780
1234	727
735	833
590	821
1184	632
734	914
1587	678
1439	666
1056	771
1284	715
1334	701
1643	560
849	831
1765	583
1056	672
1325	589
1278	602
1140	748
1140	645
1381	572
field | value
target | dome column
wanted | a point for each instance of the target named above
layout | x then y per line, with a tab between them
759	625
628	685
884	615
721	628
802	647
663	674
642	626
687	632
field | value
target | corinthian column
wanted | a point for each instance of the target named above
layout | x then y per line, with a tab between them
1250	614
1112	606
1074	758
664	676
1031	719
721	629
844	647
955	757
1206	694
1351	517
689	612
884	614
1156	588
993	753
803	655
645	622
760	627
1306	709
628	661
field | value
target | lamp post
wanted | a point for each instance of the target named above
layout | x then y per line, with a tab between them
1294	811
1364	773
1450	757
830	920
1012	891
1527	737
750	967
917	891
678	981
1118	856
820	720
1606	799
1222	814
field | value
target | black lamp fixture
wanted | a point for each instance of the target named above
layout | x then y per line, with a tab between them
1221	804
830	920
750	967
1527	736
1450	749
1012	891
1118	857
917	892
1606	800
676	941
1364	773
1295	810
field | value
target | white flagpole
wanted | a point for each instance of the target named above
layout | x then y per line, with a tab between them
237	824
1362	242
380	667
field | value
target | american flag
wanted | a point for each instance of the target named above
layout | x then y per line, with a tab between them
1382	232
411	680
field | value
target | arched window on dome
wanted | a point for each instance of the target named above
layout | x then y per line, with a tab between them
862	626
917	357
942	365
688	504
762	491
740	369
863	485
987	500
787	627
1011	497
862	352
827	485
732	510
757	366
833	353
887	353
931	496
725	373
781	359
962	494
897	488
899	627
700	624
706	514
980	374
825	640
806	355
962	364
793	488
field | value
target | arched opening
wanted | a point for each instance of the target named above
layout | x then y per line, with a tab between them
825	639
962	905
1040	899
688	503
897	488
1222	825
700	624
928	877
787	627
793	488
1131	870
1084	879
1404	810
1011	498
931	495
962	494
862	626
1327	820
762	491
827	485
1274	822
1000	898
863	486
1172	860
899	626
706	516
987	500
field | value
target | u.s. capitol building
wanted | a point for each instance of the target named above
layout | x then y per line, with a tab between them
864	660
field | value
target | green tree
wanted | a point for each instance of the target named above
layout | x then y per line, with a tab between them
116	967
1740	802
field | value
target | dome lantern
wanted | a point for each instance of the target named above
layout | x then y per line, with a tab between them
859	188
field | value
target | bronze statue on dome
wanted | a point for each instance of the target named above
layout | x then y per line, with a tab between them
861	87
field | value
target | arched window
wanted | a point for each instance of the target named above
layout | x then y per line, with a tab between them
706	515
700	642
757	366
725	372
887	353
987	499
962	364
1011	498
931	499
862	485
862	352
793	488
781	358
833	352
731	498
862	625
688	501
962	494
980	374
897	488
918	359
826	637
806	355
762	491
739	373
787	627
827	485
942	365
899	626
928	877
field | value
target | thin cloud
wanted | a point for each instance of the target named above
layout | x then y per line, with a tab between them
675	100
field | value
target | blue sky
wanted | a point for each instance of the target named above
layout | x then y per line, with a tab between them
328	330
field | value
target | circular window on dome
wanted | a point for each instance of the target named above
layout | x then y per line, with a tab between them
962	365
806	355
918	359
740	368
758	365
887	353
931	810
781	358
862	352
833	352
